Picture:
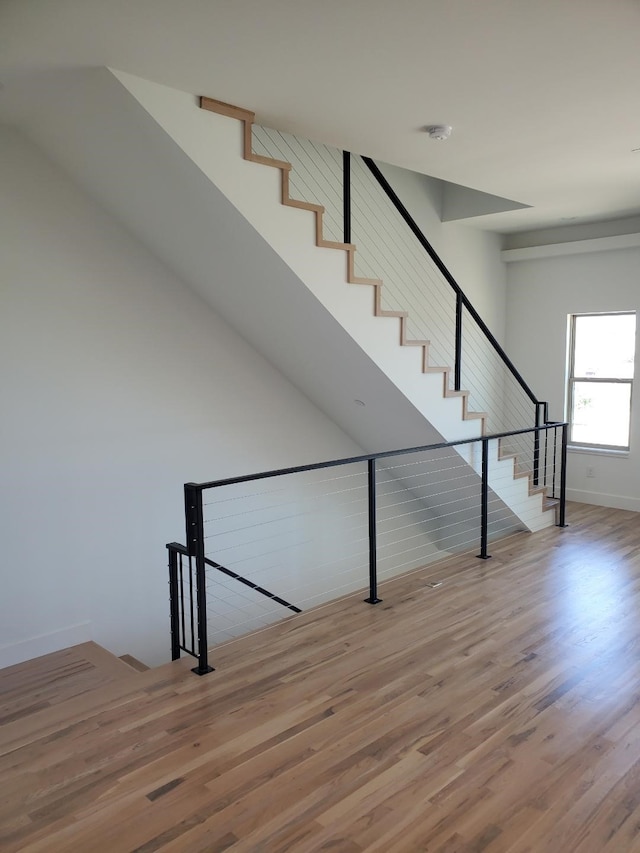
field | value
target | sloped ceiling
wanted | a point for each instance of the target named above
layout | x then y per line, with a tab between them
92	128
542	95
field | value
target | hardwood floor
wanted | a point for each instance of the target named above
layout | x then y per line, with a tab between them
496	712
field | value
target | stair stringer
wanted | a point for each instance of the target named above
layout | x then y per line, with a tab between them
216	142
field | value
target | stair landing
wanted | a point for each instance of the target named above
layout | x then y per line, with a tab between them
29	687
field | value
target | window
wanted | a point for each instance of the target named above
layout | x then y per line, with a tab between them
601	361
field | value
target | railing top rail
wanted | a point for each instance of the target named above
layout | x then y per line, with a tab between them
176	546
385	454
415	228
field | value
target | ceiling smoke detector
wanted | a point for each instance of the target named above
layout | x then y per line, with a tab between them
439	131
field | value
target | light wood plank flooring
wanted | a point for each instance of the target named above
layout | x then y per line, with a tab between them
36	685
496	712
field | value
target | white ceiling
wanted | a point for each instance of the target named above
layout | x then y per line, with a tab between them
543	95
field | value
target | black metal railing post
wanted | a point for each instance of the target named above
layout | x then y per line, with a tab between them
536	446
484	502
346	195
373	548
555	461
563	477
458	358
173	603
195	545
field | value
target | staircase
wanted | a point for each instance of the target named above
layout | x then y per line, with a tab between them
247	119
218	138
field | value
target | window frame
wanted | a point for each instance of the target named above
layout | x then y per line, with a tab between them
572	379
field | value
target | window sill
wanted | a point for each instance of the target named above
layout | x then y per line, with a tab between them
597	451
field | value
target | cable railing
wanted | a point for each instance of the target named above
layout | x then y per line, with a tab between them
264	546
443	314
362	208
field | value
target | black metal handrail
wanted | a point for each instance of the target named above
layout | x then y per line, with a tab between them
385	454
195	548
461	298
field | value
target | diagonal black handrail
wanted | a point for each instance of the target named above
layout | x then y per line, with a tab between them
366	457
182	549
254	586
461	297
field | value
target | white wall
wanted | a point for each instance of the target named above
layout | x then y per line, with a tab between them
472	255
541	294
118	385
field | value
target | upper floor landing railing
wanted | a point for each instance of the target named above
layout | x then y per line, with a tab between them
266	545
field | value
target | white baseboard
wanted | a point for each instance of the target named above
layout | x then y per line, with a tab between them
603	499
44	644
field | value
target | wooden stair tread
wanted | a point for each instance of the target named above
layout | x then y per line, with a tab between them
225	109
270	161
384	312
304	205
97	699
134	663
374	282
52	679
333	244
538	490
